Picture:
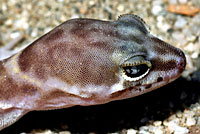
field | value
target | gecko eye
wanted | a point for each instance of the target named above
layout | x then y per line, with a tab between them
136	70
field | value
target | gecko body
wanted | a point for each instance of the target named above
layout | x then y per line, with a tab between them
86	62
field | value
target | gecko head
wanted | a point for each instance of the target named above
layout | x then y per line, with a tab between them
101	61
147	62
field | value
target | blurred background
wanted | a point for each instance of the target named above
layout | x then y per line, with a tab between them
174	21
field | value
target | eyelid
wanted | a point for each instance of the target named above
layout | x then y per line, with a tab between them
131	56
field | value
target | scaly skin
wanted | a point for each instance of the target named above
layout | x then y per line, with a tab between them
86	62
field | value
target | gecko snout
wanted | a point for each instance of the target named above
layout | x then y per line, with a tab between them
171	57
181	62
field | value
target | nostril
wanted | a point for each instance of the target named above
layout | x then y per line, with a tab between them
182	64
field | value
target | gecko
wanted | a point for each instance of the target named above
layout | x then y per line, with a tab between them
86	62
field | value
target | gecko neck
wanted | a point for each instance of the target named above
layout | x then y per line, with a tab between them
13	90
6	85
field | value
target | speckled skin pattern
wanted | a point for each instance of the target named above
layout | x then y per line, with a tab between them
86	62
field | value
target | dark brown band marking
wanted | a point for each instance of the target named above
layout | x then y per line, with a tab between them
160	65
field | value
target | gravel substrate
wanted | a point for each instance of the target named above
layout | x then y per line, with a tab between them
173	109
